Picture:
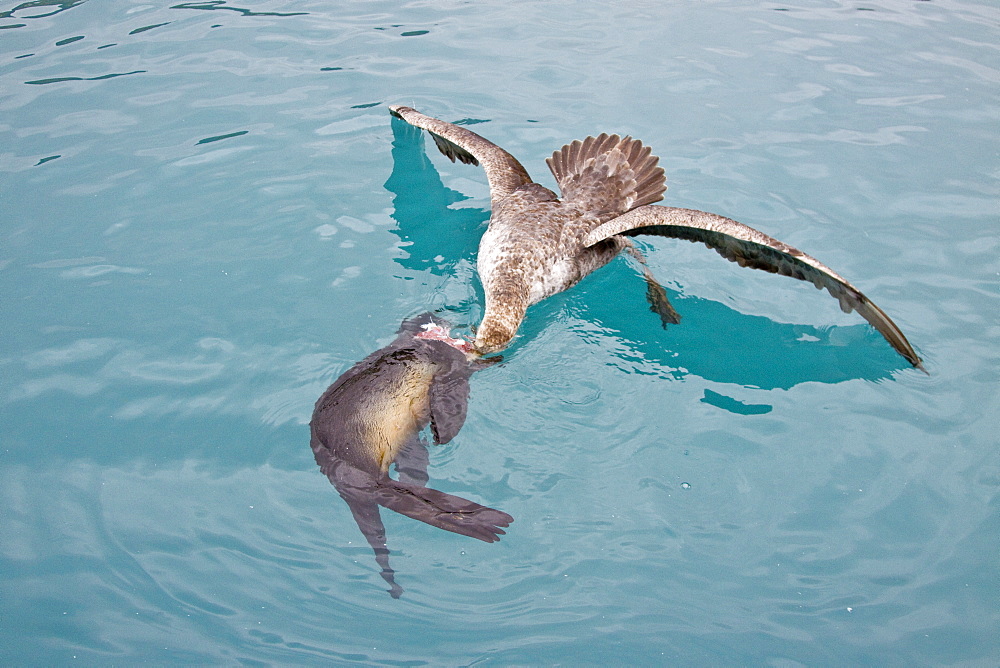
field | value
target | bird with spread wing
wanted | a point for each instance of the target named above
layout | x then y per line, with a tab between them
538	244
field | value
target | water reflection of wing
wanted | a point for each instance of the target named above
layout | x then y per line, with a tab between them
720	344
437	236
751	248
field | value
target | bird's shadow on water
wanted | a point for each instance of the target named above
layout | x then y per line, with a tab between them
435	236
714	341
720	344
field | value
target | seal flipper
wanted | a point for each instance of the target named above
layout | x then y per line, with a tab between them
365	511
412	462
751	248
449	399
444	511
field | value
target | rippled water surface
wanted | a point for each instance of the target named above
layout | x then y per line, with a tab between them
206	216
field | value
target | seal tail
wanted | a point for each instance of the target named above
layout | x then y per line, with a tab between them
608	175
444	511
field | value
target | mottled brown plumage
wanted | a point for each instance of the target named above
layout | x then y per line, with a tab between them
537	244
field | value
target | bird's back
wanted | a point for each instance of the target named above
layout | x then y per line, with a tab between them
538	239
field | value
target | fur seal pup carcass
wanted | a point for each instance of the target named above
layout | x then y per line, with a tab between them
371	417
537	244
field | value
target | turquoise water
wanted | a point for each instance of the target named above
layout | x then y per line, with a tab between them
206	216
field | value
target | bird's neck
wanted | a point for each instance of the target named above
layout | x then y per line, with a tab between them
499	325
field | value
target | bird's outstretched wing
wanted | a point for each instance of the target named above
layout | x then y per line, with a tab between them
750	248
503	171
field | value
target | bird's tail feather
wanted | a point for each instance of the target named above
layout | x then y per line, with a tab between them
608	175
